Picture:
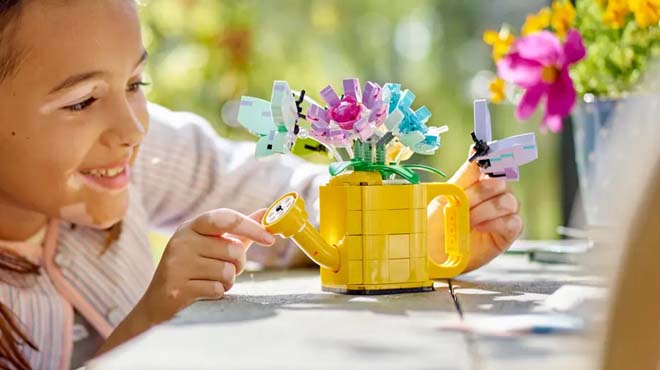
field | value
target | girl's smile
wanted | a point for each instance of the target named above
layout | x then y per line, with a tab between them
112	177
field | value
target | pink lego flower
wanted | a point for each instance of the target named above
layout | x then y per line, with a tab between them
346	113
539	64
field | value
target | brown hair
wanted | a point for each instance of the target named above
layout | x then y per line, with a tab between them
10	11
12	338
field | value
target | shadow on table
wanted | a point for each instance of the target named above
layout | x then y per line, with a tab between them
235	308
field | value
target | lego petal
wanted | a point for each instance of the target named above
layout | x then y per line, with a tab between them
283	106
330	96
411	139
352	88
406	100
254	114
422	114
372	94
316	113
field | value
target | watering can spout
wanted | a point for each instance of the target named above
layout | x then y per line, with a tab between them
287	217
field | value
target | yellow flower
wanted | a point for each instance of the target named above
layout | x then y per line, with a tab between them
616	12
500	41
647	12
563	15
396	149
496	88
536	22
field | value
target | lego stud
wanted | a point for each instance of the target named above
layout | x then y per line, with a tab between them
280	209
287	217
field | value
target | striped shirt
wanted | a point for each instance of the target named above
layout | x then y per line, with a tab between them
183	169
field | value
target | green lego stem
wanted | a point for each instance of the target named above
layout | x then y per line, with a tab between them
426	168
338	167
364	161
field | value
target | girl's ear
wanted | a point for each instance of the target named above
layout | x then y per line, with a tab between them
11	338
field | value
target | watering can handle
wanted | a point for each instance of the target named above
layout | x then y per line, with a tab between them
457	230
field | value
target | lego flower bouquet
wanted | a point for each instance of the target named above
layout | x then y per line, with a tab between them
582	61
375	129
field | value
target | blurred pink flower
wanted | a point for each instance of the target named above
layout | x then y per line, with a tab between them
539	63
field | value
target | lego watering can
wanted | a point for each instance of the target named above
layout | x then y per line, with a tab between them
373	234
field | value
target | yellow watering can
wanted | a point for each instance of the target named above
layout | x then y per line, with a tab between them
373	234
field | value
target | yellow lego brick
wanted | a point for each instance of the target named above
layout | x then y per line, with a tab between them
400	271
375	247
376	272
457	231
418	245
387	222
419	270
341	277
333	209
353	197
334	278
353	222
353	247
419	197
355	272
376	198
356	178
398	245
418	221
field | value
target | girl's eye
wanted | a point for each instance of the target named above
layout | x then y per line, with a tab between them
82	105
135	86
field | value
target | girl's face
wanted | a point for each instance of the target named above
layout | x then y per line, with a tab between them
72	116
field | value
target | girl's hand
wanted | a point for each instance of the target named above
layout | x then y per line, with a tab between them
202	260
494	220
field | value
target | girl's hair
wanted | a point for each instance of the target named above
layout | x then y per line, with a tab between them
12	338
10	55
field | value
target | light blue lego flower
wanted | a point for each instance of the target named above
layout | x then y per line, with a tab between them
409	125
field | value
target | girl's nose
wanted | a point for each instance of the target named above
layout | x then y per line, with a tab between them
124	130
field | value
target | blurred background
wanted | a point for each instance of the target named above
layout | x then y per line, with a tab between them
205	54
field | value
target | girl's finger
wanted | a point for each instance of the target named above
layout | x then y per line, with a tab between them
215	270
222	248
205	289
257	216
484	190
486	252
221	221
502	205
468	174
503	229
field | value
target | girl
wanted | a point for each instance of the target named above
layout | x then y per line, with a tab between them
77	201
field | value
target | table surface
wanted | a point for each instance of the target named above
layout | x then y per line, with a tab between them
282	320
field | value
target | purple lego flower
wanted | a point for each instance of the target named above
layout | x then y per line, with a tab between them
359	115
